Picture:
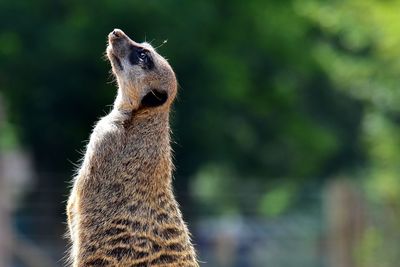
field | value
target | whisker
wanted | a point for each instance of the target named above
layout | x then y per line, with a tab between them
163	43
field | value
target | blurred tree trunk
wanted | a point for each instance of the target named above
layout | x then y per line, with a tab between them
344	208
5	231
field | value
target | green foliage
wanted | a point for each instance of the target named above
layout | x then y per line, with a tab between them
8	139
276	201
253	94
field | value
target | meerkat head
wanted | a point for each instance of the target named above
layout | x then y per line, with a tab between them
145	79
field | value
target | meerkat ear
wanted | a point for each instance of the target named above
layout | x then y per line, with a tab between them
154	98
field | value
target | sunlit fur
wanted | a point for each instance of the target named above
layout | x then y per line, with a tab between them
122	211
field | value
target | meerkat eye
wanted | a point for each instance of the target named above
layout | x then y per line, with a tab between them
142	56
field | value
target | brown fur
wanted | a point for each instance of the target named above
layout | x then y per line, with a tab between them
122	211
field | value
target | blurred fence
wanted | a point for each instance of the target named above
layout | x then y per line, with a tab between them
327	233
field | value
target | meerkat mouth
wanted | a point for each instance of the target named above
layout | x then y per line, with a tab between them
154	98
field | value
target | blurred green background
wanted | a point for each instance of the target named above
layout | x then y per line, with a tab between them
286	127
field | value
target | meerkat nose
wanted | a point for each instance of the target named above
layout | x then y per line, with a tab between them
116	33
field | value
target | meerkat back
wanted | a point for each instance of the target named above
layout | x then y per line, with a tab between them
122	211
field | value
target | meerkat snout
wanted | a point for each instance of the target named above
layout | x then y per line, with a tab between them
145	78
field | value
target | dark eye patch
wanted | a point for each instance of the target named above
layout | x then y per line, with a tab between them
141	57
154	98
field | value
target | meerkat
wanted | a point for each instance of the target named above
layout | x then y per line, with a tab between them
122	211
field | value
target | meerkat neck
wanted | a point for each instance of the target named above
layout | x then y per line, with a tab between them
148	148
122	101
